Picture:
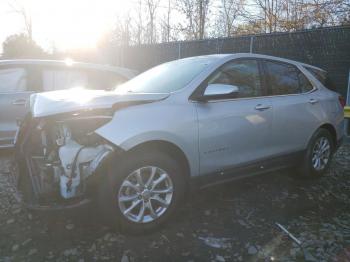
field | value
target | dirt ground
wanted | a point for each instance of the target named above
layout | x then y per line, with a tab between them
231	222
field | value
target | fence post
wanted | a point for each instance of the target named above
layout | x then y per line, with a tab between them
217	45
122	50
179	51
348	93
251	44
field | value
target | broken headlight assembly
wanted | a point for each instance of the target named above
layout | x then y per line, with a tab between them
57	155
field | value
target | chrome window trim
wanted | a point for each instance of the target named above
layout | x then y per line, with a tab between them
256	97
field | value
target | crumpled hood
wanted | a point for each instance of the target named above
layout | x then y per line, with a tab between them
64	101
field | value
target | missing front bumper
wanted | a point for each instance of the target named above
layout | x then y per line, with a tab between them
59	204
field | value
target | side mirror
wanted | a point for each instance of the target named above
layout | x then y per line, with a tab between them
220	91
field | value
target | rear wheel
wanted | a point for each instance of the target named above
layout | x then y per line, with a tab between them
318	155
142	191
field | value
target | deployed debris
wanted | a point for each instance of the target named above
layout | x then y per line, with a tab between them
307	254
289	234
221	243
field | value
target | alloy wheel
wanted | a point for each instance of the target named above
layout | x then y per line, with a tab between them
145	194
321	153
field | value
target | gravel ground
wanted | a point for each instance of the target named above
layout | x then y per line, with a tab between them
231	222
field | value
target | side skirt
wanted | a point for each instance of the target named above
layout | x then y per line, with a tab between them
250	169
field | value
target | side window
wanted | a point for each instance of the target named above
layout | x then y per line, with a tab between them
304	83
282	78
243	74
318	74
322	76
13	79
57	79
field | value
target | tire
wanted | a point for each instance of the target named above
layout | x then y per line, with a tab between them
310	169
114	188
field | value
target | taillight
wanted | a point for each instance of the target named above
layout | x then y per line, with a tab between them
342	101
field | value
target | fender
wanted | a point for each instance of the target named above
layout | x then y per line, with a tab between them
135	125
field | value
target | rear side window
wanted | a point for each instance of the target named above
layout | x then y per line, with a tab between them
321	76
318	74
284	79
13	80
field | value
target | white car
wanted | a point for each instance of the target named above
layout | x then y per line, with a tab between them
195	121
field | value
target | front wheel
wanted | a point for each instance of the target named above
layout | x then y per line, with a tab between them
318	155
142	192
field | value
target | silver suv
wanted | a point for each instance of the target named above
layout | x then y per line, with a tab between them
195	121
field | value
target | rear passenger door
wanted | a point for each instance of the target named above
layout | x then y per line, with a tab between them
14	95
295	107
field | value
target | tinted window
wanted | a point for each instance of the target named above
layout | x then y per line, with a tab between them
13	79
322	76
243	74
282	78
318	74
305	84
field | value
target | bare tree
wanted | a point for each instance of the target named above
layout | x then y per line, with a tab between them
151	21
123	29
165	23
168	21
203	12
139	23
152	6
196	14
302	14
270	11
324	12
230	12
26	16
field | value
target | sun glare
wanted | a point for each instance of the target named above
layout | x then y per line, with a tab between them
68	61
67	24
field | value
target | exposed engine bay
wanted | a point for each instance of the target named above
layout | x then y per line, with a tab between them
57	155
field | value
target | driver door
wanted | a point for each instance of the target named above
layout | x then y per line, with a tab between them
234	131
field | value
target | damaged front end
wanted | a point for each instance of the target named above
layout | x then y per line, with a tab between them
56	157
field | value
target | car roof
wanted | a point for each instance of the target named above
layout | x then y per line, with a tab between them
253	55
125	72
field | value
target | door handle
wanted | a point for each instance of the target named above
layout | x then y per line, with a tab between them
19	102
313	101
261	107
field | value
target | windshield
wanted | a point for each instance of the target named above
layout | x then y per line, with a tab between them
166	78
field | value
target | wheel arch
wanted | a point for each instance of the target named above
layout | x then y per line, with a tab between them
331	129
167	148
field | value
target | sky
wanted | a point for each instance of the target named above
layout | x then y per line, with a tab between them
65	24
71	24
